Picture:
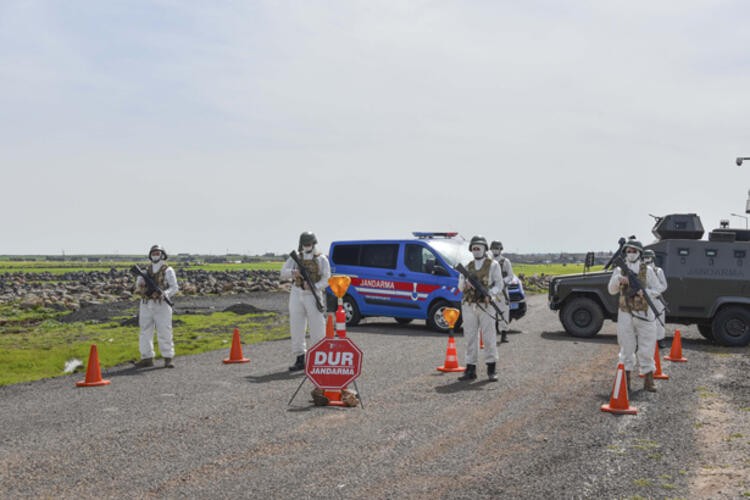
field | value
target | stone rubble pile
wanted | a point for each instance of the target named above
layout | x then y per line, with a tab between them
71	291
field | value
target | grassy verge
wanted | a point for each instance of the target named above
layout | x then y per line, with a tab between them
39	345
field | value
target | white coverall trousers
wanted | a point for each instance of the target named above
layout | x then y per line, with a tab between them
303	314
474	320
632	332
660	330
154	314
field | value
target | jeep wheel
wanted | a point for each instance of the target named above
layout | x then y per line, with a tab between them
352	311
582	317
731	326
403	321
706	331
435	319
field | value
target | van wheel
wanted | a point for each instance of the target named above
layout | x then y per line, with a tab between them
582	317
403	321
435	319
706	331
352	311
731	326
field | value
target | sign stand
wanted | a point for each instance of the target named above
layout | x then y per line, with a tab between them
335	361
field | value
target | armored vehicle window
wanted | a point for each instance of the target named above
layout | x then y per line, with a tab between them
346	255
710	252
380	255
739	254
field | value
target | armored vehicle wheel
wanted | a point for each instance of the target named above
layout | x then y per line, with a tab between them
731	326
582	317
403	321
706	331
352	311
435	319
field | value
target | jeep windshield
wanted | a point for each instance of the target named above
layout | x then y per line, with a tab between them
452	251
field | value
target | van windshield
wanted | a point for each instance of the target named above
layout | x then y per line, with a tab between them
452	251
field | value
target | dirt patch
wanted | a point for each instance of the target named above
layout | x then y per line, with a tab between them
724	432
256	303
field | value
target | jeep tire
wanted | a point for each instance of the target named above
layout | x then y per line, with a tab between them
582	317
731	326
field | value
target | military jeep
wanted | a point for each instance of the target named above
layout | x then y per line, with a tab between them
709	285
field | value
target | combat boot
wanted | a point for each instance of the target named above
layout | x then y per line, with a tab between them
299	364
648	382
661	344
168	363
627	379
470	373
491	375
504	337
145	363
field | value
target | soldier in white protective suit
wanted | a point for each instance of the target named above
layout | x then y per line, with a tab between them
154	312
303	309
636	322
496	248
661	304
477	312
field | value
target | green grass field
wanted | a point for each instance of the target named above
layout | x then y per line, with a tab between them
33	345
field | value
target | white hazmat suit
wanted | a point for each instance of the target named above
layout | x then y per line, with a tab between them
157	314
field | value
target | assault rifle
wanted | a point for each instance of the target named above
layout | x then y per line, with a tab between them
480	288
308	280
634	285
151	285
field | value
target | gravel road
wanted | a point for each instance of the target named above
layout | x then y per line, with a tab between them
211	430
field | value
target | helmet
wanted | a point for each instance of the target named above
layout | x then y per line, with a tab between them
479	240
496	244
307	238
160	248
649	254
634	244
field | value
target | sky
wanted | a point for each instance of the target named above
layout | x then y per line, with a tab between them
232	127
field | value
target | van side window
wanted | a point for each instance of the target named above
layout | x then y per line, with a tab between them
346	255
418	258
382	255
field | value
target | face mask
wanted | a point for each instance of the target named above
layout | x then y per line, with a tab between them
307	248
648	260
478	254
496	253
632	257
155	258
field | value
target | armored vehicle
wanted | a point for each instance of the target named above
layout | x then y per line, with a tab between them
709	283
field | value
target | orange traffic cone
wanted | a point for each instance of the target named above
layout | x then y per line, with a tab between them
330	331
675	354
451	358
658	374
93	371
481	340
618	401
235	353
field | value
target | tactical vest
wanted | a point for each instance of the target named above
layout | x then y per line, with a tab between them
313	270
635	303
483	275
158	277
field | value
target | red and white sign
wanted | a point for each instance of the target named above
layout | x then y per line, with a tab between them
333	363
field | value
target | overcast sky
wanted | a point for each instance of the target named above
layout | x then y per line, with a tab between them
210	127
